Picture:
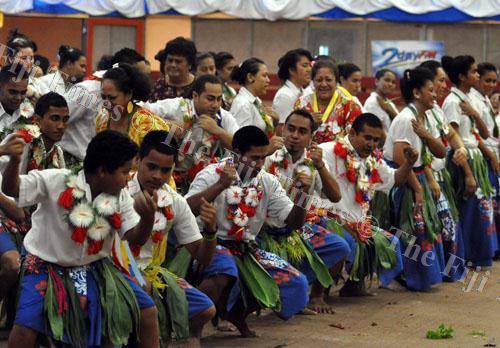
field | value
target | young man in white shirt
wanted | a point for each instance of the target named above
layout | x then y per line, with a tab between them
174	222
301	161
51	114
206	129
70	291
359	173
15	109
244	200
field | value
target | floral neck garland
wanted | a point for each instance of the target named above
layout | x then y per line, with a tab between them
91	221
242	203
204	154
363	179
281	160
164	219
443	127
39	158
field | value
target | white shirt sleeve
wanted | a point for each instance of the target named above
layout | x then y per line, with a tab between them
128	214
283	105
185	227
165	108
243	113
229	123
402	131
36	186
387	175
203	180
279	205
452	111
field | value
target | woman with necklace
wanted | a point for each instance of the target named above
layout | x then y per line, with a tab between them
333	110
378	103
176	62
414	211
475	207
122	87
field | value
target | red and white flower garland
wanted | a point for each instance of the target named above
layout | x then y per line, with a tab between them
163	218
242	203
91	221
363	179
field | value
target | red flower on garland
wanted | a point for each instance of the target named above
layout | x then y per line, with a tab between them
351	175
285	163
248	210
95	246
375	177
236	231
157	237
66	199
359	197
116	221
339	150
79	234
272	169
27	137
169	214
135	249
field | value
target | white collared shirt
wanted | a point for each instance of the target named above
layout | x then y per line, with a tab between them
274	203
244	110
175	109
350	209
84	101
372	106
483	105
184	223
285	98
50	235
454	114
52	83
401	131
8	121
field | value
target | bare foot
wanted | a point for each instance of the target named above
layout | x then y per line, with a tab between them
318	305
307	311
394	286
354	289
241	324
226	326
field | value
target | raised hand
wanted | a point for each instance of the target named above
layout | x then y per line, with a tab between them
316	154
420	129
276	143
13	147
208	124
208	214
227	175
145	205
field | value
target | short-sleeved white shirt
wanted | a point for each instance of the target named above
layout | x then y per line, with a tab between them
372	106
244	110
274	202
485	109
183	225
351	210
401	130
454	114
50	235
285	98
175	109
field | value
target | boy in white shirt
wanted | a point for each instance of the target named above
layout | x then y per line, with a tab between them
70	291
244	200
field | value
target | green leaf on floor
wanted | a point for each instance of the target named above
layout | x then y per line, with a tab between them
440	333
